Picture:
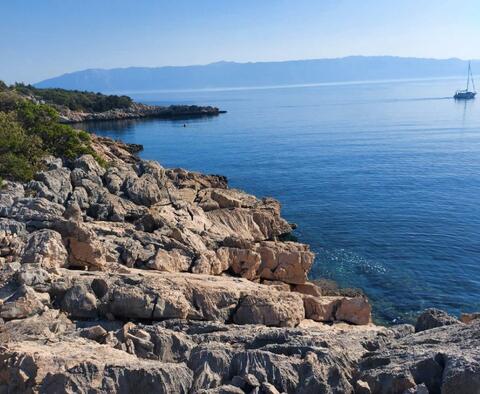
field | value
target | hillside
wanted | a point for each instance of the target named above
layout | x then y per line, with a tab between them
230	74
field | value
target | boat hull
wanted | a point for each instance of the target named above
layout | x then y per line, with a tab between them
464	95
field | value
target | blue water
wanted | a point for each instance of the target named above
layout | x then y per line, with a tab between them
383	179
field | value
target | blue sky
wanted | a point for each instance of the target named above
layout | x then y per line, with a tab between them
45	38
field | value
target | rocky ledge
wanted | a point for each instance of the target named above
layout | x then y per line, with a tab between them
137	278
138	111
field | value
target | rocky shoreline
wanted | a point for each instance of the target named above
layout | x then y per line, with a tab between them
136	278
140	111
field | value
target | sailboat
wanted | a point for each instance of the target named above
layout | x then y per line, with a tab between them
467	94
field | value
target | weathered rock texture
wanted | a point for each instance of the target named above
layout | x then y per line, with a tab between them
139	279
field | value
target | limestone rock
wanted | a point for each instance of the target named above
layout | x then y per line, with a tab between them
308	288
34	212
321	309
171	261
138	278
69	366
9	192
282	310
57	185
432	318
287	262
10	226
88	164
23	303
80	302
144	190
83	246
45	247
209	263
355	310
445	359
242	262
250	224
469	317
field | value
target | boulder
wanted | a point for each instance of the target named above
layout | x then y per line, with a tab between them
45	247
171	261
250	224
23	303
145	191
57	183
89	165
134	253
355	310
80	196
277	309
10	226
308	288
194	180
321	309
154	169
9	192
432	318
80	302
52	162
35	212
242	262
287	262
114	177
209	263
83	246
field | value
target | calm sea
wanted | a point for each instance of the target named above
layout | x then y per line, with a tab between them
383	179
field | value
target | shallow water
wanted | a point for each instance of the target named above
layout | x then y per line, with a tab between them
382	178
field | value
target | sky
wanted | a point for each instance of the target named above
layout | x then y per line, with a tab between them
45	38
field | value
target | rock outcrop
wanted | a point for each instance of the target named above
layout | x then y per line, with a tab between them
136	278
138	111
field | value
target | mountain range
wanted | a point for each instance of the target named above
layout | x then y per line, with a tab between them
234	75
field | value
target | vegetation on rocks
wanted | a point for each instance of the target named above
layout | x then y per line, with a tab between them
30	131
74	99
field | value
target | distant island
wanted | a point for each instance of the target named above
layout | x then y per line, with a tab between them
231	75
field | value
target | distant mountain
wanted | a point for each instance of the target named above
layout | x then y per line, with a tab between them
230	74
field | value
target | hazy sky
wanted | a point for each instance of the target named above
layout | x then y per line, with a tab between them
45	38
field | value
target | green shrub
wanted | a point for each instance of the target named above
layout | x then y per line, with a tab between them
41	120
20	153
9	100
31	131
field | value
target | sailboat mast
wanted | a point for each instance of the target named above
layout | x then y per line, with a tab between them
468	77
473	82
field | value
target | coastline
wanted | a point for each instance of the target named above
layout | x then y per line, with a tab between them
140	111
155	273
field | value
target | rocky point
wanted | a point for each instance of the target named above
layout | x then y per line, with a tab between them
136	278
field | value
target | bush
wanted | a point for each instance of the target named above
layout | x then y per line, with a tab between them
19	152
9	100
32	131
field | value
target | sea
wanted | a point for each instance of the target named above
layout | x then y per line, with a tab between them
382	178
